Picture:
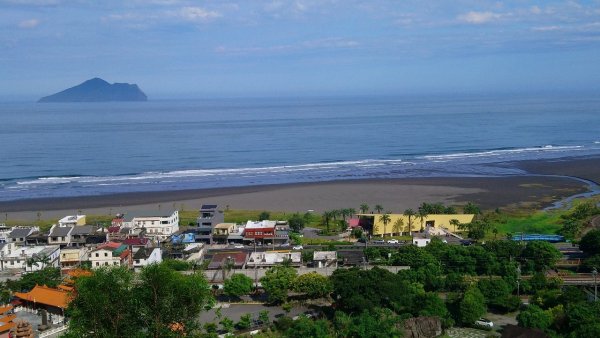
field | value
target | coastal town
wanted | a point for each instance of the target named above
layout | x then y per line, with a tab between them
364	240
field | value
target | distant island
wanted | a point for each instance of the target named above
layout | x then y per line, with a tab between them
98	90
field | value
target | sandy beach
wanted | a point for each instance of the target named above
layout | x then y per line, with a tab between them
394	195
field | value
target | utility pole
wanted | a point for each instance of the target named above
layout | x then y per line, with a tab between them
519	283
595	274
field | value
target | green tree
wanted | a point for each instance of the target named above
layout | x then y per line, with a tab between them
454	222
313	285
161	292
296	222
422	216
305	327
227	324
534	317
263	216
368	324
238	285
385	219
277	281
245	322
410	213
326	218
49	276
378	208
263	316
590	242
472	306
471	208
364	208
97	313
397	226
543	255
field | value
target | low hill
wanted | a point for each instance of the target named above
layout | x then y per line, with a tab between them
98	90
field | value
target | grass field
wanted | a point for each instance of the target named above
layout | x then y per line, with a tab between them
539	222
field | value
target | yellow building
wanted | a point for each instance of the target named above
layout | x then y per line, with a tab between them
398	223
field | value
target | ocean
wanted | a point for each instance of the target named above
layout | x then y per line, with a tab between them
77	149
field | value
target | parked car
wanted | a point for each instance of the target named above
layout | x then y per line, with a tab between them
239	246
297	247
484	322
285	245
466	242
378	241
393	241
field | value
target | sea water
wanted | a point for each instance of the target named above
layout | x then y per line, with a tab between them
74	149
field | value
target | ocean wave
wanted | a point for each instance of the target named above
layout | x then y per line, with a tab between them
207	173
502	152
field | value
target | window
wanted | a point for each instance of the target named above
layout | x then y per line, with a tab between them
106	254
97	254
105	263
97	263
114	263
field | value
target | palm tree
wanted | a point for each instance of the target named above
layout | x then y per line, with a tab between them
398	226
44	260
326	216
378	208
364	208
422	215
351	211
454	222
410	213
385	218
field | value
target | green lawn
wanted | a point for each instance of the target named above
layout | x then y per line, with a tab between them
539	222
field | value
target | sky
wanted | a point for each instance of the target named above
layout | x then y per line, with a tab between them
179	48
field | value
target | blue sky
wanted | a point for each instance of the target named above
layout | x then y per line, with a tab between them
178	48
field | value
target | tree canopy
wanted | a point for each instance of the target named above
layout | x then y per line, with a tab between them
160	303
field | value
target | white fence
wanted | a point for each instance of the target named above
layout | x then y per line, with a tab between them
53	331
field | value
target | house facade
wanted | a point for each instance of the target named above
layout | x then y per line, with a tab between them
208	217
156	225
146	256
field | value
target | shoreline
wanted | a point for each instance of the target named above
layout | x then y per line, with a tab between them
528	190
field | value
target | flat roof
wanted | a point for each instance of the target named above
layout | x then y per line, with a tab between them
260	224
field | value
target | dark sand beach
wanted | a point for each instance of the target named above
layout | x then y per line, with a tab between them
394	195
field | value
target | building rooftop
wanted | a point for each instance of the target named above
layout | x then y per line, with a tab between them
260	224
20	232
270	258
71	219
45	295
149	214
238	257
324	255
224	225
84	230
57	231
143	253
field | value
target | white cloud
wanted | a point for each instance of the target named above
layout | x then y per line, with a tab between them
478	18
31	23
196	14
546	28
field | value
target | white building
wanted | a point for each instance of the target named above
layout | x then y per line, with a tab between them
421	241
71	221
18	235
323	259
30	258
60	235
109	254
267	259
146	256
4	232
158	225
73	257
